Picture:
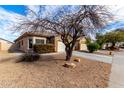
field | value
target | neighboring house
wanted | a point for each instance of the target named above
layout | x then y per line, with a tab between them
26	41
5	45
118	44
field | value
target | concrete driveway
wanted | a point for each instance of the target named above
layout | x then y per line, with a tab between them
102	58
117	71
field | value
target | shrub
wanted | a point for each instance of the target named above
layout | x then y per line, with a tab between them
29	57
88	40
46	48
93	47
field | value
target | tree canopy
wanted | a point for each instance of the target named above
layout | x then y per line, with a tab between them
111	37
114	37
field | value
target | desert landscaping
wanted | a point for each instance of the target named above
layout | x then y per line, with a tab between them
49	71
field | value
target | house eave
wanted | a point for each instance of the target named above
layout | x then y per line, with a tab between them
31	35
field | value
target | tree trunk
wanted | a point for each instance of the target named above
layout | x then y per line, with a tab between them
113	45
68	53
69	47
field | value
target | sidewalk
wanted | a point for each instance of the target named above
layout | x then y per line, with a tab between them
101	58
117	71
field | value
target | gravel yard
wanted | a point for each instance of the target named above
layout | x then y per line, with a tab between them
49	72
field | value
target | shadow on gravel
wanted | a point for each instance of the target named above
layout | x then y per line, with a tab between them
28	57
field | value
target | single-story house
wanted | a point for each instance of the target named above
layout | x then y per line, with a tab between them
5	45
26	41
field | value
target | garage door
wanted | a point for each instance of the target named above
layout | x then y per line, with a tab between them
61	47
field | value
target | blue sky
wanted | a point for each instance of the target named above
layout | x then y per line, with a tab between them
20	9
10	13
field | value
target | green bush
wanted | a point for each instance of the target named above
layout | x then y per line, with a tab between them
46	48
93	47
88	40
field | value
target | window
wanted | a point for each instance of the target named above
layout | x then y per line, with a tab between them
30	43
39	41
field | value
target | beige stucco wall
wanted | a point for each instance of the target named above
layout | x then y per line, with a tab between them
82	44
24	46
5	45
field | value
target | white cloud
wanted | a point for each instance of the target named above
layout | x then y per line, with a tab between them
7	20
118	21
118	11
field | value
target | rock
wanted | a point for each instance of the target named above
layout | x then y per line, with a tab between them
110	52
77	60
69	65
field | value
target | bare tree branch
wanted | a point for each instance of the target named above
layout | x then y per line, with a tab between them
71	26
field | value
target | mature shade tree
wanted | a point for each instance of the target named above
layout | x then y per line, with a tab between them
113	37
71	26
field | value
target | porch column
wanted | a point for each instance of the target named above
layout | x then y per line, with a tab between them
45	40
33	41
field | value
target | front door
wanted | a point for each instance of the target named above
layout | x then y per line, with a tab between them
30	43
